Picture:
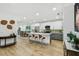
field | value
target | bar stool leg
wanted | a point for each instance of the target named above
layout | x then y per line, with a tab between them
41	43
14	40
0	42
5	42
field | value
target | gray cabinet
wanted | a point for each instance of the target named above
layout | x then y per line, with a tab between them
58	36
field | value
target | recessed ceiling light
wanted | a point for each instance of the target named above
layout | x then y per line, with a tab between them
37	14
44	19
57	17
37	24
24	17
54	9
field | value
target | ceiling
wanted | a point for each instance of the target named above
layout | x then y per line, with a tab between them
31	12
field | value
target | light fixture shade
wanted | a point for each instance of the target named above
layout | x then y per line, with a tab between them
37	14
54	9
4	22
12	22
9	26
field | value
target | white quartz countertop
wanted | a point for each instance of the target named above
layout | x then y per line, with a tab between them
41	33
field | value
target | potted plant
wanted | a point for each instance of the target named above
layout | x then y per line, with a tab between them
76	42
70	35
73	40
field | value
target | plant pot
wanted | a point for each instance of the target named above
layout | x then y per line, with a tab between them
77	46
73	45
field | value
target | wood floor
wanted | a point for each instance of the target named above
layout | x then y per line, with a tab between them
25	48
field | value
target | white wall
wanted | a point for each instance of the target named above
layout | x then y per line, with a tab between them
68	23
53	25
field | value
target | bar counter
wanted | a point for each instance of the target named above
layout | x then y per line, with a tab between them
7	40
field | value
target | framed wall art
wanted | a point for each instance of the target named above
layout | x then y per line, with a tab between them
76	16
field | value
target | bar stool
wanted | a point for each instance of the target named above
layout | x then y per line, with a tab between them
33	37
36	37
42	39
40	36
30	37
